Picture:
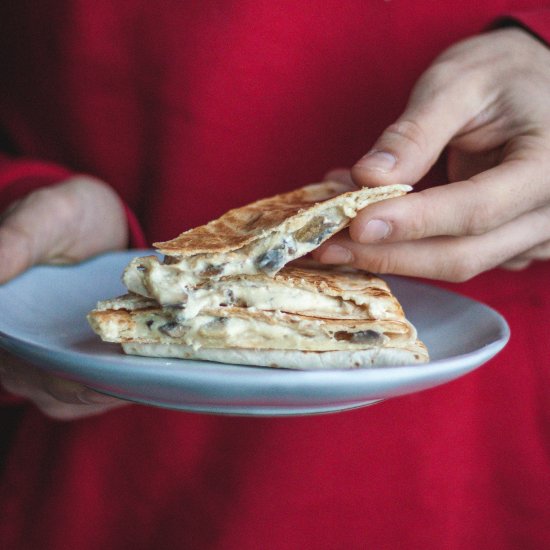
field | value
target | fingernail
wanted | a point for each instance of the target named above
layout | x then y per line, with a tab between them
374	230
336	254
91	397
379	161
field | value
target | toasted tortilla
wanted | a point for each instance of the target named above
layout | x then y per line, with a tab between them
261	237
410	354
287	212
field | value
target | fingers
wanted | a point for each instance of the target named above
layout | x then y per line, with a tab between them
63	223
431	233
486	98
447	258
470	207
56	397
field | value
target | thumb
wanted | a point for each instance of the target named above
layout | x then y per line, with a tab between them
63	223
439	108
30	232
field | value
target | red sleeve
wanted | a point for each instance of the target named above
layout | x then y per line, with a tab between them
535	21
20	176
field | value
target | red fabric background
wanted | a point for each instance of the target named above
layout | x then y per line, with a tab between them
191	108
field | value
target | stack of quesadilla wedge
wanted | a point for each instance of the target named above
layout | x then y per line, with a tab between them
230	291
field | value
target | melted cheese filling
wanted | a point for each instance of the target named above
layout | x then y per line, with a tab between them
168	286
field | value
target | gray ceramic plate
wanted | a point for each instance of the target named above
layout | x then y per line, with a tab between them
43	320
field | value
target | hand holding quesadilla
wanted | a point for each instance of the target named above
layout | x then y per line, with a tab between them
496	209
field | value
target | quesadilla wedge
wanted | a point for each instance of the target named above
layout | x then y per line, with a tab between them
234	327
260	237
227	292
303	287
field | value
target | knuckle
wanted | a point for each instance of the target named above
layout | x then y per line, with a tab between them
56	202
379	262
464	267
417	227
416	218
65	203
444	75
477	219
418	215
438	76
410	131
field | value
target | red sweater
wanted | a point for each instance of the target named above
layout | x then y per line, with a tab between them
188	109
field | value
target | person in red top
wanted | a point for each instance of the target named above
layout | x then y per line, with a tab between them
123	123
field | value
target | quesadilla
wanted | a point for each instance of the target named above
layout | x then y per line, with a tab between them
217	297
261	237
304	287
261	336
306	309
245	328
306	316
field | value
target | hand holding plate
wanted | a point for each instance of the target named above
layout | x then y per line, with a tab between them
68	222
65	223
